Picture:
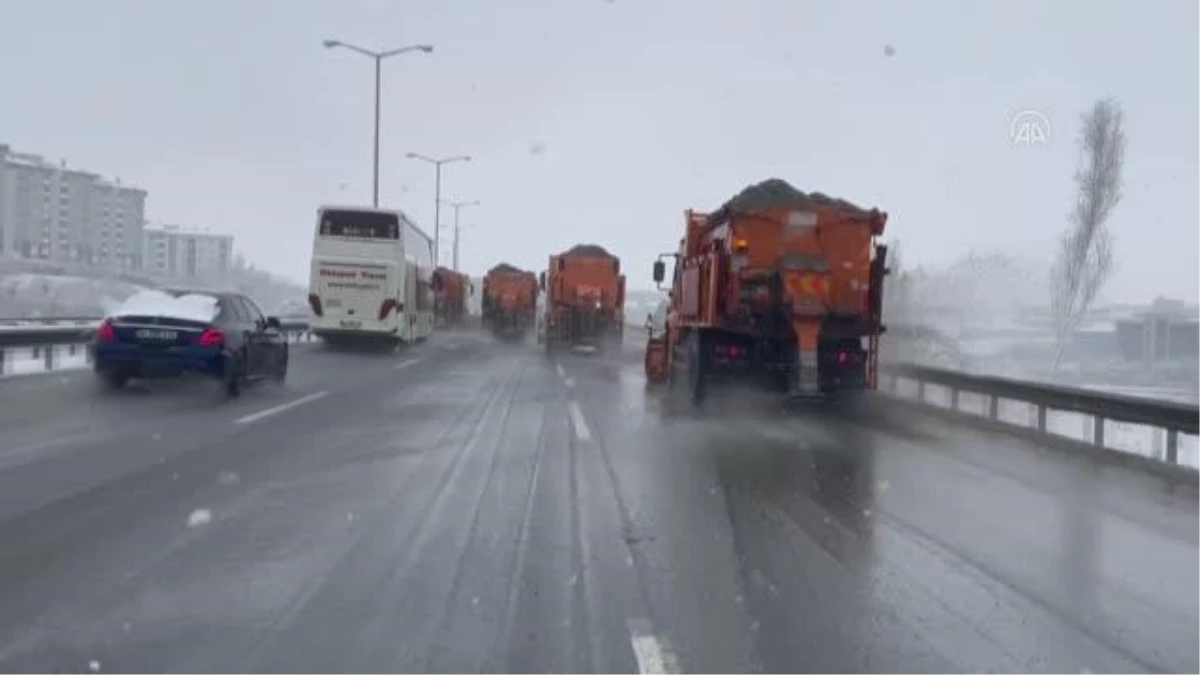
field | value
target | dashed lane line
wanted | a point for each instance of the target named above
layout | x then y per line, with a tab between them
581	428
254	417
651	654
405	363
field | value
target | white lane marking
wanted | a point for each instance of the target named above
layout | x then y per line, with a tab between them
559	368
254	417
570	382
405	363
652	656
581	428
17	455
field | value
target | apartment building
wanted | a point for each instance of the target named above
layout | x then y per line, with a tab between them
175	251
54	212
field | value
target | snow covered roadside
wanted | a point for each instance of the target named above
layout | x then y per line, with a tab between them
36	295
31	361
39	294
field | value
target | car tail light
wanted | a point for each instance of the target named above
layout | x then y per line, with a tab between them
314	301
386	308
105	332
843	358
212	338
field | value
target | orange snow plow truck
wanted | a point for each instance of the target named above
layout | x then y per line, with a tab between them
449	297
585	299
778	287
509	301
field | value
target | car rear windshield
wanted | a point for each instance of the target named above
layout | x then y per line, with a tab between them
360	225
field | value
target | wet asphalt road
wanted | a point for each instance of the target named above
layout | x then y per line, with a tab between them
463	507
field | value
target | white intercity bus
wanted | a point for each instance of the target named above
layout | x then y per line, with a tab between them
371	277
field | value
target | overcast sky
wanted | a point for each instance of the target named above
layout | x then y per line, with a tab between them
597	121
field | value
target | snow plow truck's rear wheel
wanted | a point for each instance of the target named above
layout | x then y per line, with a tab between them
697	366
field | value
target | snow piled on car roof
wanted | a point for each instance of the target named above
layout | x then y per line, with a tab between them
189	307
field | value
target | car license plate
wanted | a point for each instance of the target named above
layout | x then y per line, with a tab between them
150	334
351	324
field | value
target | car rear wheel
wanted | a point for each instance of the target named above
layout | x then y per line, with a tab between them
234	376
280	374
112	379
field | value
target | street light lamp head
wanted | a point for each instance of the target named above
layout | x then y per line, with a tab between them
428	49
329	44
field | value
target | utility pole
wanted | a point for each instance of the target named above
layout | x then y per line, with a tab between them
457	206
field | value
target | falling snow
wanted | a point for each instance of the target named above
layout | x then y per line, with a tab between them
199	518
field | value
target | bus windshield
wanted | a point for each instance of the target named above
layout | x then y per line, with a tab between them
359	224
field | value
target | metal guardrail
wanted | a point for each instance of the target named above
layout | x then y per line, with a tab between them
58	320
71	332
32	334
68	330
1173	417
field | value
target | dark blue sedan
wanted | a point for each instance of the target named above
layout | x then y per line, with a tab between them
169	333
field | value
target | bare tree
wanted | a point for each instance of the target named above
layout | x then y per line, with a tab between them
1085	257
911	334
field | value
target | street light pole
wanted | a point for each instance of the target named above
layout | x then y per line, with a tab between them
454	250
456	206
375	172
437	197
378	57
437	216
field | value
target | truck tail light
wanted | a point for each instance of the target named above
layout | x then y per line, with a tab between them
730	351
